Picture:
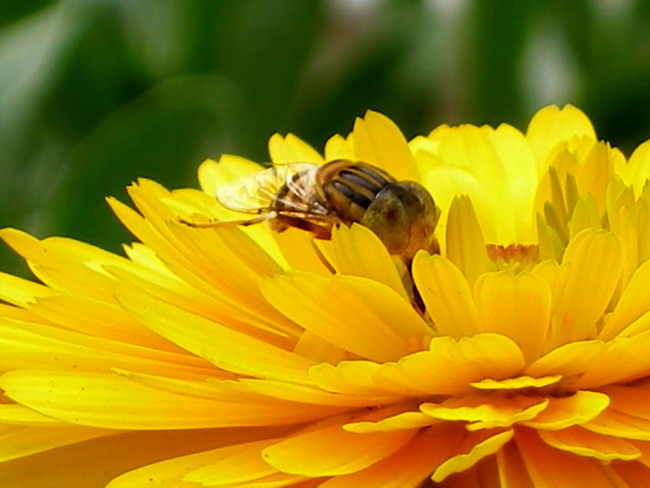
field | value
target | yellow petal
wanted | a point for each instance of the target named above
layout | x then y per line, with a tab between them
66	264
338	147
230	168
401	421
449	367
634	474
94	463
616	366
517	305
356	378
292	149
378	141
465	241
496	355
183	457
551	126
636	171
445	182
272	328
551	468
474	449
447	296
92	399
518	383
487	412
224	347
585	216
318	349
584	443
230	465
568	360
579	307
12	414
300	252
410	465
229	260
630	400
331	451
27	441
309	395
362	316
98	319
511	468
632	304
460	148
565	412
358	251
12	312
21	292
518	161
34	346
617	424
596	173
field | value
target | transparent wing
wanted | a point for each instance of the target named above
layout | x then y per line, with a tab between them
263	191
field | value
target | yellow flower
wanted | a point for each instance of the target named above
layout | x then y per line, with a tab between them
239	356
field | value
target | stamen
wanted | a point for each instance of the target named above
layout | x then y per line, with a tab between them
513	255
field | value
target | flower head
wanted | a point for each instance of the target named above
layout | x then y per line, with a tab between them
513	355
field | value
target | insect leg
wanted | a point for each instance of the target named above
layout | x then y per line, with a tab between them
321	256
221	223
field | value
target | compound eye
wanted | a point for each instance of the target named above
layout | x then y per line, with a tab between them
387	216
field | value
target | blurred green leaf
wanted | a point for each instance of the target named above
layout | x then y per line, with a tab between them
13	10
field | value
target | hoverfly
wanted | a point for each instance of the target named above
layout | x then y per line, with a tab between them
317	197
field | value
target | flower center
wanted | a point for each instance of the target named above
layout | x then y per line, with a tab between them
513	256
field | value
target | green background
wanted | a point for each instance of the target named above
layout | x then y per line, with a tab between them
95	93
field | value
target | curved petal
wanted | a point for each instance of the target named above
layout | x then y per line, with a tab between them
487	412
220	345
114	402
579	307
465	241
331	451
358	251
564	412
450	367
475	447
630	400
517	383
401	421
516	305
568	360
201	458
292	149
378	141
636	171
408	466
360	315
549	467
589	444
213	174
551	126
27	441
93	463
632	304
615	366
446	295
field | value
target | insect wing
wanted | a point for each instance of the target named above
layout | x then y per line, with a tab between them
259	192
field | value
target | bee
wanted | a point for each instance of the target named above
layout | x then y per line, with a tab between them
318	197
